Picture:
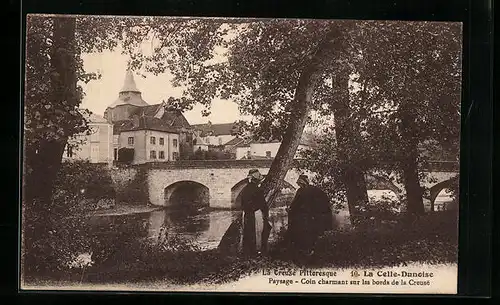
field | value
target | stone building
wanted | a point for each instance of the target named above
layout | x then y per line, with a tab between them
215	134
257	150
233	146
155	133
95	147
199	144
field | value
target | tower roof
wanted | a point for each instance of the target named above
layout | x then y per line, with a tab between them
129	83
129	94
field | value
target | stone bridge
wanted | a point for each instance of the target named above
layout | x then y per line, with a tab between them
218	183
439	175
214	183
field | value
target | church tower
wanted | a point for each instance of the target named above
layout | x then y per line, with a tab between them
129	99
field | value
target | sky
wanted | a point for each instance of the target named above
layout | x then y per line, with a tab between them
112	66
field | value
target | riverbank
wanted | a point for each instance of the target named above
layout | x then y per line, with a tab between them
430	240
124	209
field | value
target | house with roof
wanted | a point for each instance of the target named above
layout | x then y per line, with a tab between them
215	134
268	149
154	133
199	144
95	147
232	145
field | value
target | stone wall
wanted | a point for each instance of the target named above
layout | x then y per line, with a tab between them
130	185
122	177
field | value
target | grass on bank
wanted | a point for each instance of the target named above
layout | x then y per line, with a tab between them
431	239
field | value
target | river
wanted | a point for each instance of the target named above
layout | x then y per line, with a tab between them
203	228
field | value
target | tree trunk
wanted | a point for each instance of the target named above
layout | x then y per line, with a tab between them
291	139
409	166
302	104
42	161
352	176
356	193
415	203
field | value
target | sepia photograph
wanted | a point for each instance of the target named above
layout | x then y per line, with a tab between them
240	155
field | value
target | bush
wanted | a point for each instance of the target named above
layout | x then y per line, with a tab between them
185	151
211	155
84	180
381	210
60	232
59	244
430	239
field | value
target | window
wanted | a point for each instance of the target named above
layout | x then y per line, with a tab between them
175	155
161	154
152	141
130	140
69	152
174	142
152	154
207	140
248	153
268	154
94	136
94	153
162	141
115	154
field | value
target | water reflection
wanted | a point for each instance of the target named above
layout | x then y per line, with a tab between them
204	227
177	221
207	228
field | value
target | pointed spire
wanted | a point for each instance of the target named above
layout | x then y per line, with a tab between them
129	84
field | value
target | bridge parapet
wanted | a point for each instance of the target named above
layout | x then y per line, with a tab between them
430	166
208	164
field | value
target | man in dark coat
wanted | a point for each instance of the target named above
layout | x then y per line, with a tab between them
252	201
309	217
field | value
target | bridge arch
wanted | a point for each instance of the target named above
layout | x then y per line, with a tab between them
237	189
378	182
438	188
186	195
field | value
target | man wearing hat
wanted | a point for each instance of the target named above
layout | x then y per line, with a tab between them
255	218
309	217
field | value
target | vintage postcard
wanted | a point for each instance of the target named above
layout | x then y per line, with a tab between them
240	155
